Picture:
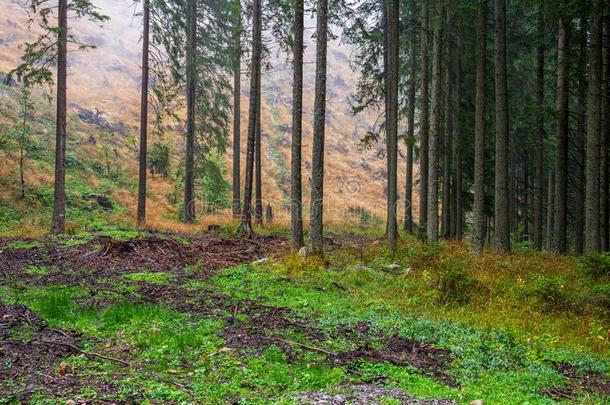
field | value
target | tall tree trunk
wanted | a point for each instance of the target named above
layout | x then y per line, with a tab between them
604	134
446	144
479	217
435	123
502	209
237	115
539	137
141	215
317	167
191	77
392	121
296	193
59	209
579	217
408	225
550	212
22	169
246	214
457	153
424	127
258	166
561	158
592	210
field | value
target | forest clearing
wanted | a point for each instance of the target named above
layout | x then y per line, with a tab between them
304	202
165	318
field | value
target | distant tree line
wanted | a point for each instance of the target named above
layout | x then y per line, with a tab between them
502	105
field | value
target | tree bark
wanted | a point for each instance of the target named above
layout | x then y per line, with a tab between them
539	137
435	124
592	210
59	208
604	134
550	213
237	117
317	167
561	158
392	122
424	124
191	77
479	217
458	216
579	217
447	132
258	179
502	209
408	225
246	214
296	193
141	213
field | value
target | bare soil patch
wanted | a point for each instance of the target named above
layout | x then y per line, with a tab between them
401	351
591	383
31	355
104	258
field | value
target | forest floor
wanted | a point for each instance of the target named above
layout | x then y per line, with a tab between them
133	317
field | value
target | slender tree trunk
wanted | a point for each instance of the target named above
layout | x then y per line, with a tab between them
21	169
392	121
502	209
317	167
447	132
435	124
258	181
296	206
479	217
525	209
237	117
457	153
550	213
424	127
539	138
592	210
246	215
604	161
59	209
561	158
408	225
141	215
579	217
191	76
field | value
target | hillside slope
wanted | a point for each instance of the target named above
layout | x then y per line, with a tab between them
103	94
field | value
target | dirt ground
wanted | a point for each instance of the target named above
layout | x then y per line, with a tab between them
32	353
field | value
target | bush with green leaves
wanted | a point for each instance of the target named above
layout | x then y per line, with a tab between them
595	264
550	292
454	284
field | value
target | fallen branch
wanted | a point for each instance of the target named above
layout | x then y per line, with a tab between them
89	354
312	348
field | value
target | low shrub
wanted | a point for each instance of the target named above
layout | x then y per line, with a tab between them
454	284
595	264
550	292
599	296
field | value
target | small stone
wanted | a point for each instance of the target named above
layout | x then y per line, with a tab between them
304	251
70	402
477	402
393	266
260	261
63	369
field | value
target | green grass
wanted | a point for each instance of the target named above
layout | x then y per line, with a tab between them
147	277
470	305
36	271
23	245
